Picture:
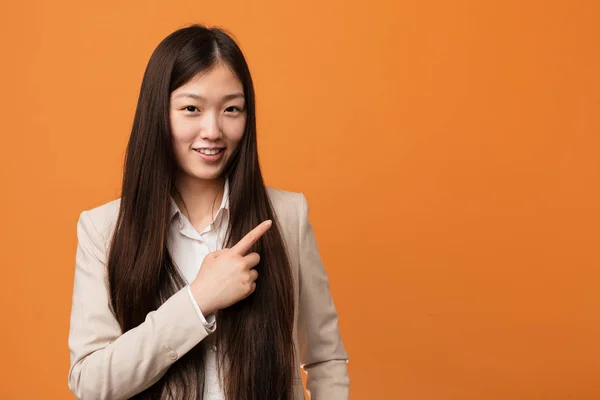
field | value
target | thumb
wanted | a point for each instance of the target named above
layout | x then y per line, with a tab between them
217	253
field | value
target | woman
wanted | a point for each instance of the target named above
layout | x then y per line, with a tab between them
200	282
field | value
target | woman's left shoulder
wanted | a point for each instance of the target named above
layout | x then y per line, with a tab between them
288	205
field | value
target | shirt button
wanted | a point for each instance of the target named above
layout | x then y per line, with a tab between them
173	355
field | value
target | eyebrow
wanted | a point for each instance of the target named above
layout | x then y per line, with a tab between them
201	98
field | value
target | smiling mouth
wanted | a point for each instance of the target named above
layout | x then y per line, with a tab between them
209	152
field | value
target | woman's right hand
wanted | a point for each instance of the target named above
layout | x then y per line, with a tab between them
227	276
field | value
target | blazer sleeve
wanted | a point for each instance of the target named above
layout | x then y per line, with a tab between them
104	363
322	352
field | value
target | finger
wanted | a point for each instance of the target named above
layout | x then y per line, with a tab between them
253	275
217	253
251	290
252	260
244	245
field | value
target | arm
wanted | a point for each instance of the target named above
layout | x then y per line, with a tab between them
106	364
322	353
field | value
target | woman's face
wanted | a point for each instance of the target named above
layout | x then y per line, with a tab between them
208	119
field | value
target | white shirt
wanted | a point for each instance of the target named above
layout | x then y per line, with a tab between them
188	247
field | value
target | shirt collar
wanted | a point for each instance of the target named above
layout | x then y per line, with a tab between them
174	208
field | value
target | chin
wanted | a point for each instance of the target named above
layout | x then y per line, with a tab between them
196	170
205	175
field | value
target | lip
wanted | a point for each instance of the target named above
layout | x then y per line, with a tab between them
211	157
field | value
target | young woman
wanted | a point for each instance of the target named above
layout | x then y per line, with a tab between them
200	282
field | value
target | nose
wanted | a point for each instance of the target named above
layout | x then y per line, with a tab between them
210	129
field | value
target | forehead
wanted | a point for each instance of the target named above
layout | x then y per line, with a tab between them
217	82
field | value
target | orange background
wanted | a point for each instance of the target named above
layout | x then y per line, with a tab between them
448	150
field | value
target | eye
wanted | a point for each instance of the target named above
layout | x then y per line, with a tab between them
234	109
191	108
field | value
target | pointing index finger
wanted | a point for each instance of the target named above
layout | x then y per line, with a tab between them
244	245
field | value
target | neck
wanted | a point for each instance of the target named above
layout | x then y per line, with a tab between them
200	199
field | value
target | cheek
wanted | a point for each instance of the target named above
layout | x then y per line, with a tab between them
234	130
181	131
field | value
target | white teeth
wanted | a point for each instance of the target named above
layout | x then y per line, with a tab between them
209	151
